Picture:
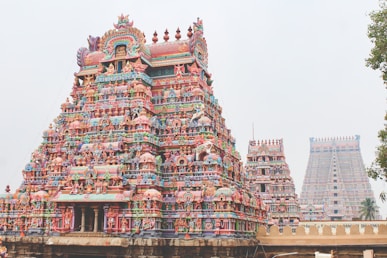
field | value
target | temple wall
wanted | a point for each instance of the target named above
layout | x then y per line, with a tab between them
326	233
114	247
346	239
80	246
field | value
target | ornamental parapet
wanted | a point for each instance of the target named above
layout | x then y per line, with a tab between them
326	233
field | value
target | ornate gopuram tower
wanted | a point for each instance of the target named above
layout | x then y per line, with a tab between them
140	148
268	176
335	179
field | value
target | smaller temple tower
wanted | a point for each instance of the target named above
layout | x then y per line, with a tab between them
268	175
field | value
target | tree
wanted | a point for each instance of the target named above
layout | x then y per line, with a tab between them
368	209
377	32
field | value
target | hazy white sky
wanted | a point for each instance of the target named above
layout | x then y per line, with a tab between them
295	69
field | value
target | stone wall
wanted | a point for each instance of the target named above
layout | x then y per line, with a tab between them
76	246
351	231
346	240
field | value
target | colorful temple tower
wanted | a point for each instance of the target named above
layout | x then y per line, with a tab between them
140	148
335	180
268	175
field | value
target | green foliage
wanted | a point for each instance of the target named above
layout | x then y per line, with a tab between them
378	169
377	32
368	209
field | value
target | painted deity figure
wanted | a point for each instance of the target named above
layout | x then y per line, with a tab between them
67	218
124	224
199	113
89	188
191	225
179	70
148	223
110	217
110	69
198	224
137	225
205	147
127	68
217	226
75	188
88	79
105	185
98	186
121	51
93	43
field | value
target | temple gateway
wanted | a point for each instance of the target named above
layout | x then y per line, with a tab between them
139	149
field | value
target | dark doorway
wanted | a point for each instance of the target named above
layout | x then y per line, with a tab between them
89	219
100	219
77	219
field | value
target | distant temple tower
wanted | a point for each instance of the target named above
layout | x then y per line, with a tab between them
139	149
268	175
335	182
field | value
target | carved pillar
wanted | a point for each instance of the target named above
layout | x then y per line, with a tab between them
95	220
83	219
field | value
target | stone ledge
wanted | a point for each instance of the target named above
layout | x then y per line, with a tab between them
353	240
126	242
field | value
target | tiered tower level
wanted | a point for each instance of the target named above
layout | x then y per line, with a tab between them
335	182
140	148
268	175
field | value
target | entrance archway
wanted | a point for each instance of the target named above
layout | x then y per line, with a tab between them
86	220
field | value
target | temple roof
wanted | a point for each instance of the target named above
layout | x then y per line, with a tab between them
128	42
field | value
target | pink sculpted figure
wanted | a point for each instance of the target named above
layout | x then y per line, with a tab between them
127	68
110	69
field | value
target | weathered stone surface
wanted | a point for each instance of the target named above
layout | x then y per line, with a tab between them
346	246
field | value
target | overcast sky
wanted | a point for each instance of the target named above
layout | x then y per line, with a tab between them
294	69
